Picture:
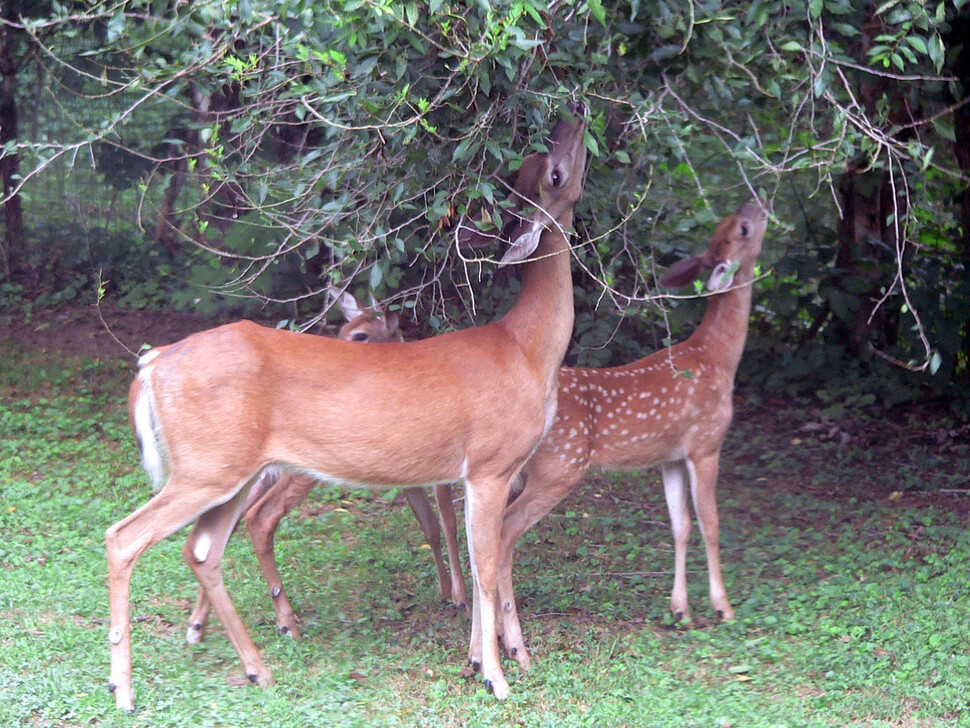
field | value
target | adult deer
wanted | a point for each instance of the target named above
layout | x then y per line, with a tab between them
270	499
671	409
216	410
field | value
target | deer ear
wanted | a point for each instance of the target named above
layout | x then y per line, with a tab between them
489	228
391	321
469	236
682	273
349	306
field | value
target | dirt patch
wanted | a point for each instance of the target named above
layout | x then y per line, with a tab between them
108	333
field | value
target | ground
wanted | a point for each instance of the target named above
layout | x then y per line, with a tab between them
844	542
101	332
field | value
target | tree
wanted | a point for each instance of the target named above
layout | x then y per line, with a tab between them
288	146
14	54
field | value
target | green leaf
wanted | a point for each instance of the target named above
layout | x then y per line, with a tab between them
376	276
917	43
466	147
821	83
116	26
936	51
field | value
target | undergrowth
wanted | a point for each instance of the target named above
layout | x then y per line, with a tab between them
845	556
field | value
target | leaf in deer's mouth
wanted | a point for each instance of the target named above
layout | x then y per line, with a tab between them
722	276
524	245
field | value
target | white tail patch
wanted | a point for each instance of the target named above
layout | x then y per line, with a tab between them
149	438
148	356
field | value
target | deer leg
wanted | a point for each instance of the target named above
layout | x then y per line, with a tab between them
449	524
198	618
262	520
547	483
704	491
675	477
421	505
484	506
512	638
173	507
203	552
200	612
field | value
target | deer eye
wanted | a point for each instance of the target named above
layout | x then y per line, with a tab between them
359	336
556	178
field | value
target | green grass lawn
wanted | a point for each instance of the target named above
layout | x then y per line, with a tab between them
850	582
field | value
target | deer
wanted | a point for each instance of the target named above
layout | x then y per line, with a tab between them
218	409
269	499
671	408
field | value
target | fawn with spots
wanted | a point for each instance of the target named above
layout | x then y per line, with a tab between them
274	495
217	409
671	409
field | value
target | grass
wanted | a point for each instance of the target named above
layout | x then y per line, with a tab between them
848	577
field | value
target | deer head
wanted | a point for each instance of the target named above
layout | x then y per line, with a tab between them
531	210
727	254
367	324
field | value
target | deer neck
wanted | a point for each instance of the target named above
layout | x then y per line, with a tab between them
541	321
724	327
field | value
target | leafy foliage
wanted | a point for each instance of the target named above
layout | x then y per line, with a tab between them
274	149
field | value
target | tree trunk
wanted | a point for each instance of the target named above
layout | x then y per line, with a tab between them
13	222
865	235
959	32
167	232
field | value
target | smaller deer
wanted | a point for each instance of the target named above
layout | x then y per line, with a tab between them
272	497
671	409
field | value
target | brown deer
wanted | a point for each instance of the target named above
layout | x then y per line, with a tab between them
671	409
216	410
270	499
